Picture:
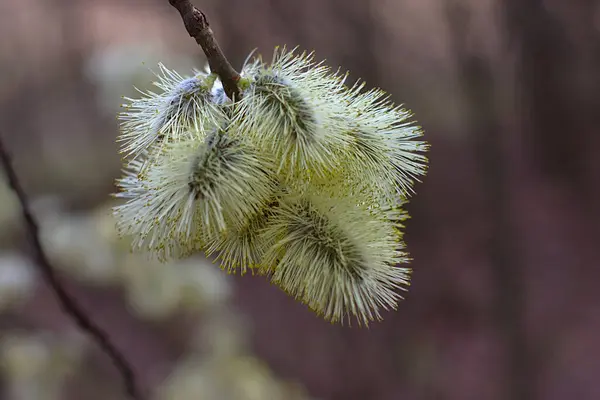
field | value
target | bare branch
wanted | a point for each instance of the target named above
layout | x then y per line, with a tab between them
66	301
197	26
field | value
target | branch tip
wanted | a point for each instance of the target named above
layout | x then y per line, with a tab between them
197	26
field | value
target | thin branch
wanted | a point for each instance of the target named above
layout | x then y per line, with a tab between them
66	301
197	26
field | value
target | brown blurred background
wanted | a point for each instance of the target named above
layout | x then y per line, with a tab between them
504	230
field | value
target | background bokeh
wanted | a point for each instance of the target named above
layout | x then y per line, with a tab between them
504	231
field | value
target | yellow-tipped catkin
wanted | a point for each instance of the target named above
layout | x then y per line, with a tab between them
183	105
336	256
192	191
383	154
287	109
243	247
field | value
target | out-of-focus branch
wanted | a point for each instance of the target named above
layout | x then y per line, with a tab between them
545	61
66	301
475	76
197	27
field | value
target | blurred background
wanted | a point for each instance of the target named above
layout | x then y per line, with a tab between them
504	230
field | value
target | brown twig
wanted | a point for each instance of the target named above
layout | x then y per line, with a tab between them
66	301
197	26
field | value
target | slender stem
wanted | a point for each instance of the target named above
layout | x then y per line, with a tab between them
197	27
66	301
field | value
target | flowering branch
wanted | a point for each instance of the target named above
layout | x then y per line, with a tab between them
197	26
66	301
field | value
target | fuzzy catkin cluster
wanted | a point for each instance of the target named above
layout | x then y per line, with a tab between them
302	180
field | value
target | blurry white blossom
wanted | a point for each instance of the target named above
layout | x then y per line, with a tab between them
17	279
121	65
156	290
238	378
74	242
36	365
226	334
